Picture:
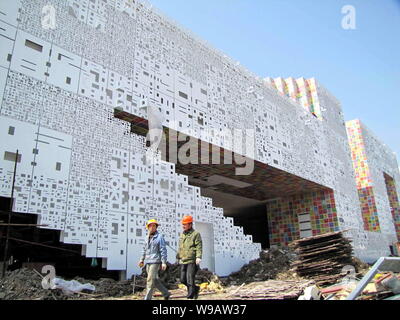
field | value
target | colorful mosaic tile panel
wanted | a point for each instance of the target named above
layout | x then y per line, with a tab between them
312	89
302	91
358	154
368	209
363	176
283	215
323	213
283	223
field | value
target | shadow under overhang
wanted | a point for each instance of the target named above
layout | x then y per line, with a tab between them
264	183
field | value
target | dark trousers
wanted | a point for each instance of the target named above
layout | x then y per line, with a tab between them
188	274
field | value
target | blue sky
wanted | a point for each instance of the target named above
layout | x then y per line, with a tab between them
297	38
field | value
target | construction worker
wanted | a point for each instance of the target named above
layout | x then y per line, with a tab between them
189	256
154	256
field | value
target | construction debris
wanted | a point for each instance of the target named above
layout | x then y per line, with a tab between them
311	293
271	289
71	287
371	292
338	292
322	257
361	268
272	264
372	285
107	287
389	282
383	264
26	284
271	276
264	290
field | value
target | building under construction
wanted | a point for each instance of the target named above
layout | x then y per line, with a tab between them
257	162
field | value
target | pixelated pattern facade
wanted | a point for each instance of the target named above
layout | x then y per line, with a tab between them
378	173
65	66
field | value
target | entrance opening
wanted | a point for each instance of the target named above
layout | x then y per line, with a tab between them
207	236
254	221
251	199
247	213
4	204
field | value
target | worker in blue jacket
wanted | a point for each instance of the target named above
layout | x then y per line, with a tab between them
154	257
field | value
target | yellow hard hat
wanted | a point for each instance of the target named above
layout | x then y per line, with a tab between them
150	222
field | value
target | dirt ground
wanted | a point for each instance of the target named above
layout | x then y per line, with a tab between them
268	277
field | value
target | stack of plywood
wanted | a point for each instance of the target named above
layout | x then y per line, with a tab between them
322	257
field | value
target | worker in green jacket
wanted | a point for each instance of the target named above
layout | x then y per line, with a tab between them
189	256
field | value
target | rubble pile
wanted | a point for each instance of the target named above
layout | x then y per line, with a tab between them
279	273
322	257
271	264
106	287
383	286
24	284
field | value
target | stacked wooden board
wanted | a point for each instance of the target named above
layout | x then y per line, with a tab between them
270	290
322	257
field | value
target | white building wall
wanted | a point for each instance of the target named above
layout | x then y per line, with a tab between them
64	82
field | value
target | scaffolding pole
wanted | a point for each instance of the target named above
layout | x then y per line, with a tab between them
9	219
23	225
44	245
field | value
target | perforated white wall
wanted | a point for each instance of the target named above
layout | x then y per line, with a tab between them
83	171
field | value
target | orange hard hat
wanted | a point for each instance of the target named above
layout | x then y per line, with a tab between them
187	219
151	221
